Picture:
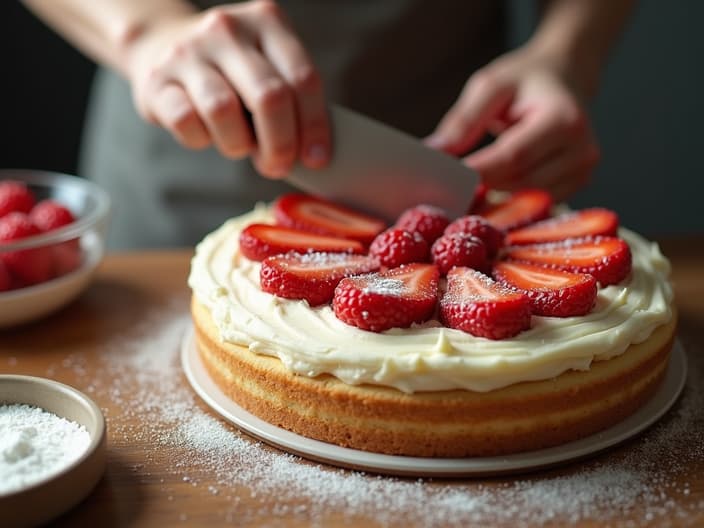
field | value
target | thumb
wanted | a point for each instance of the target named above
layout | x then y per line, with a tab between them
483	100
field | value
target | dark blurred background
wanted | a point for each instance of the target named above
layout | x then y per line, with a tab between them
648	115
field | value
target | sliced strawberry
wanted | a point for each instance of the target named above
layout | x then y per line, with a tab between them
479	199
552	292
258	241
311	276
522	208
428	220
396	298
607	259
309	213
476	304
395	247
481	228
459	249
587	222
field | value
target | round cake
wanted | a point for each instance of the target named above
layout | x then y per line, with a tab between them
429	390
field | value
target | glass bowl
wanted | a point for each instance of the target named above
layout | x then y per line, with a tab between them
75	250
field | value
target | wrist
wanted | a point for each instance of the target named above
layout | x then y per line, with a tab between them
579	65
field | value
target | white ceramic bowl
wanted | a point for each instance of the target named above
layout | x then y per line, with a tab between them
91	206
60	491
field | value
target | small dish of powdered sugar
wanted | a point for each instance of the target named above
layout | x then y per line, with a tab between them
52	449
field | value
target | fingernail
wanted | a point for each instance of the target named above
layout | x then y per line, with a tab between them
435	142
317	153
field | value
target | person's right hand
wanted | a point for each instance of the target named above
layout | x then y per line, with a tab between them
199	75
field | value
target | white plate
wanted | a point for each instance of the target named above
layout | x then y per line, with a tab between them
432	467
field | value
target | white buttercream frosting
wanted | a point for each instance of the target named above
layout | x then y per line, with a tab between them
428	357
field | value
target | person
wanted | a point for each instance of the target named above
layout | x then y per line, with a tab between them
198	100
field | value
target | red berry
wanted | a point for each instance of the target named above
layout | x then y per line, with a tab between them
428	220
309	213
49	214
552	292
521	208
29	266
395	247
15	196
5	279
587	222
396	298
480	228
459	249
258	241
476	304
311	276
66	257
607	259
479	199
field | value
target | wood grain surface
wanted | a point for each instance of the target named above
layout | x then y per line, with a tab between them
109	342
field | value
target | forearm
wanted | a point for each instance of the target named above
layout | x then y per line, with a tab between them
579	34
105	29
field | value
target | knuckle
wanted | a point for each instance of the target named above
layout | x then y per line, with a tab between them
219	106
272	95
306	79
284	153
216	18
484	81
267	8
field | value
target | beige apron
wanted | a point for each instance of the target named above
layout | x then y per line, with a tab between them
401	61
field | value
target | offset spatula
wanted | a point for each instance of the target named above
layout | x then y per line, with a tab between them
384	171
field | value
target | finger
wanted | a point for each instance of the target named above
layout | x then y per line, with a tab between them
289	57
219	108
174	111
270	101
536	136
483	99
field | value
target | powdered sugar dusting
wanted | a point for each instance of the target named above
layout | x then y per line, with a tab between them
646	478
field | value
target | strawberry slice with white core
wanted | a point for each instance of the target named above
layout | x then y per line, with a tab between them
309	213
396	298
521	208
552	292
311	276
607	259
476	304
587	222
258	241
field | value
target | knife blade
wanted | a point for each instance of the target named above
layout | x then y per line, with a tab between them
383	171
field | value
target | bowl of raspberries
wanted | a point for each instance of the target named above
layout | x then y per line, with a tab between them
52	238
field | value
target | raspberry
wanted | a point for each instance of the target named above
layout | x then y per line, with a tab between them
395	247
480	228
459	249
428	220
15	197
29	266
49	214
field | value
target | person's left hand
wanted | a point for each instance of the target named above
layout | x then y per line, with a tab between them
533	107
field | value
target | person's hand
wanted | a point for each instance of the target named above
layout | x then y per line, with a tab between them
200	75
543	136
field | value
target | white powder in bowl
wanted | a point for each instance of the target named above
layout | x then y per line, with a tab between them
34	444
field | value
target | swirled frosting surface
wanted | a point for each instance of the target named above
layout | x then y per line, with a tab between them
428	357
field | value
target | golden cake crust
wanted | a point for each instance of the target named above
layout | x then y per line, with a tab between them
454	423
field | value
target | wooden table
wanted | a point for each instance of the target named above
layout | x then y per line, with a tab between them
119	343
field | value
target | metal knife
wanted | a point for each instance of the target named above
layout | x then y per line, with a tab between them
383	171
